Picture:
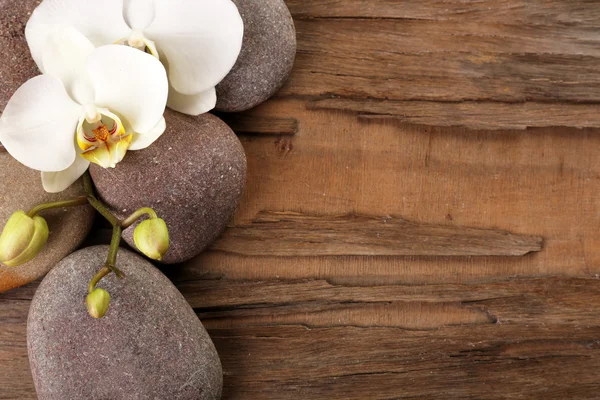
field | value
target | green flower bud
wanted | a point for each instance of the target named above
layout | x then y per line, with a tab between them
97	303
22	239
151	237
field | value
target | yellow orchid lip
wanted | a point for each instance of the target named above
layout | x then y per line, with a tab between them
104	142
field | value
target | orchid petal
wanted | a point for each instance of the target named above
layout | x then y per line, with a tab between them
82	90
143	140
101	22
65	54
192	104
55	182
139	14
201	41
131	83
38	125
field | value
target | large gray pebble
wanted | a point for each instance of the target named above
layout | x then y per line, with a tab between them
21	189
267	56
150	345
193	176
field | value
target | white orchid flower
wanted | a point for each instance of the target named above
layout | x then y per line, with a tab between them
198	41
90	105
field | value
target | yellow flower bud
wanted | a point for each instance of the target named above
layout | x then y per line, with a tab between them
22	239
151	237
97	303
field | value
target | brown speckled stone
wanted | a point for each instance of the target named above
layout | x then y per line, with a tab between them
16	64
21	189
267	56
150	344
193	176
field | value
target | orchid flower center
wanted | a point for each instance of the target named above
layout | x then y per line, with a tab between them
137	40
102	137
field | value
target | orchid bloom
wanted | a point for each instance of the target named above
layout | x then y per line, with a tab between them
198	41
89	105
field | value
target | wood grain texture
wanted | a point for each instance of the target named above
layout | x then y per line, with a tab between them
480	64
387	363
283	339
474	115
543	182
295	234
522	341
420	327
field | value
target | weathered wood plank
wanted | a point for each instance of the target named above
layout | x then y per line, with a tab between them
381	57
276	342
543	182
525	301
531	302
539	12
482	362
544	336
294	234
470	114
15	378
410	60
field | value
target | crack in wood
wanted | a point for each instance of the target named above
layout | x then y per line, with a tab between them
404	315
468	114
531	349
243	123
288	234
526	302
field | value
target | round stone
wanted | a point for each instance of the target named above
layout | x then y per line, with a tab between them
193	176
16	66
21	189
267	56
150	344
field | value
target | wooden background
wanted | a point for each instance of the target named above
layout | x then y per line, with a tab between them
422	212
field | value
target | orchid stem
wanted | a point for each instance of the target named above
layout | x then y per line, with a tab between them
103	210
79	201
137	215
101	274
88	186
111	259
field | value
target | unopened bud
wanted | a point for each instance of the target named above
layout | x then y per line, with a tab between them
22	239
151	237
97	303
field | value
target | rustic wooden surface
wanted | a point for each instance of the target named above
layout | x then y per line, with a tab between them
303	325
290	234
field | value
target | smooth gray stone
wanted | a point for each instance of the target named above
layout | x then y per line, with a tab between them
193	176
21	189
267	57
150	344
